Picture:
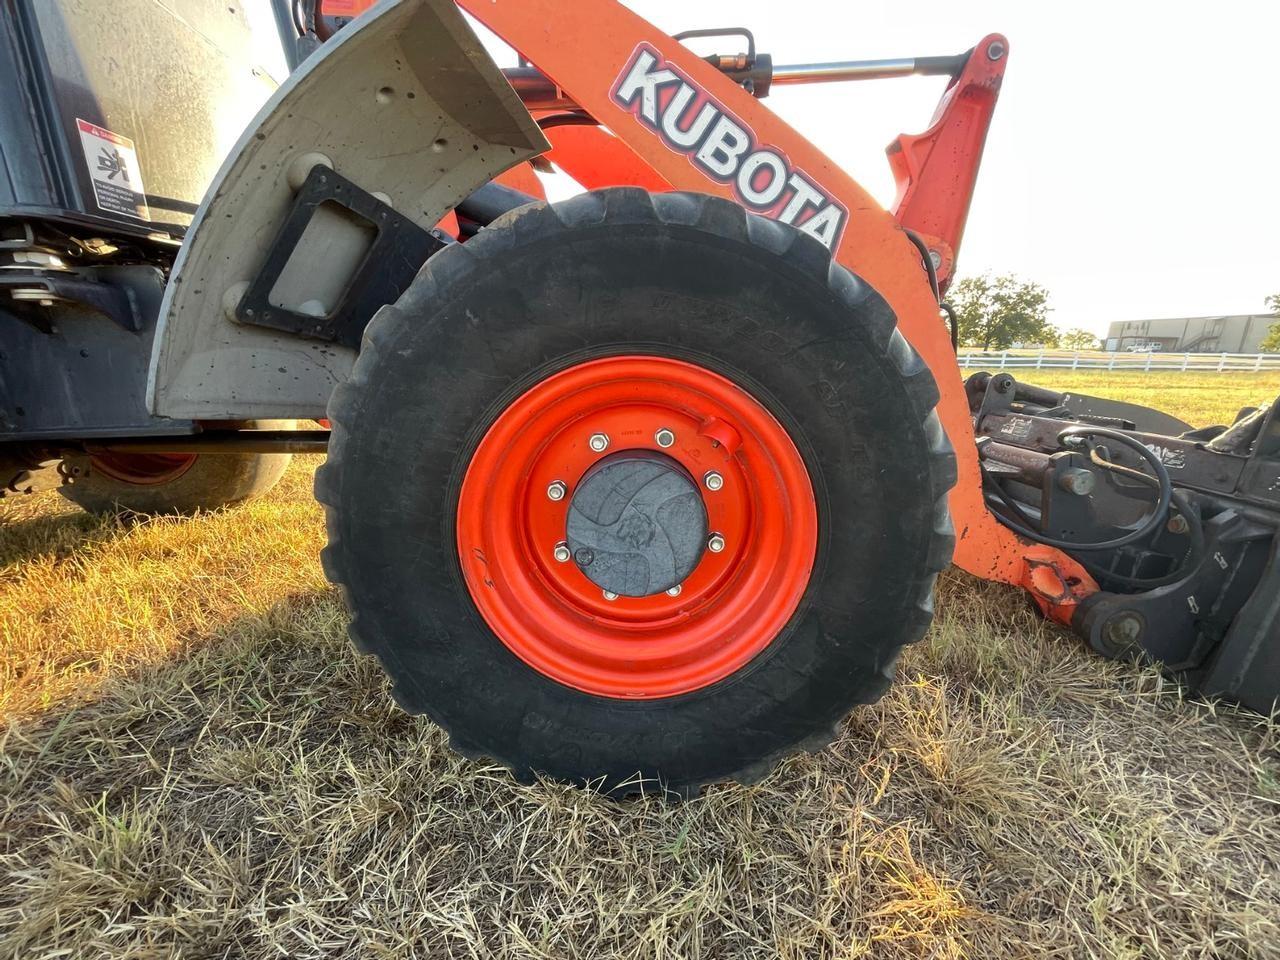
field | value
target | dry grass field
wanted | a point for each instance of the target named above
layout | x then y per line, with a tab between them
193	763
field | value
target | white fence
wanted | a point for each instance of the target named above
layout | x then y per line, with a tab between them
1095	360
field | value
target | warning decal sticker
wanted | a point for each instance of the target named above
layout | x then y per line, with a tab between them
114	171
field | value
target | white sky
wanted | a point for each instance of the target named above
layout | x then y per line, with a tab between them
1133	166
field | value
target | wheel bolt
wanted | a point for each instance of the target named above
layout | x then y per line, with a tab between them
556	490
599	442
664	437
715	543
610	596
713	480
562	553
674	591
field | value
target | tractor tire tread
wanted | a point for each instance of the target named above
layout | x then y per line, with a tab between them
451	267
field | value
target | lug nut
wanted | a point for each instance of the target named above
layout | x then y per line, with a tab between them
556	490
674	591
562	553
713	480
599	442
715	543
664	437
610	596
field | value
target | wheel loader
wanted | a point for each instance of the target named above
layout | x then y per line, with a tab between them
642	489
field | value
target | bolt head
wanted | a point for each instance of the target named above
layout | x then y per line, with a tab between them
556	490
715	543
713	480
599	442
674	591
995	50
664	437
610	596
1122	633
562	553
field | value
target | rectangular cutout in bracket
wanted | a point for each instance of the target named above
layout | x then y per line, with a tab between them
333	247
339	256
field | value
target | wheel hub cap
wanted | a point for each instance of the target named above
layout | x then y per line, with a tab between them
637	525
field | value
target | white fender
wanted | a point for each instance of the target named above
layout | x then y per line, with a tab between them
404	102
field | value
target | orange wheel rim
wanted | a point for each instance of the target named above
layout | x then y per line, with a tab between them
550	614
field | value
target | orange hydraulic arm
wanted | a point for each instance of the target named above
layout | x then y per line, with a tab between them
936	170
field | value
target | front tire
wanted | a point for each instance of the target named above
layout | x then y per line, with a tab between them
582	319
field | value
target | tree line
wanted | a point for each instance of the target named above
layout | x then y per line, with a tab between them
1271	342
999	312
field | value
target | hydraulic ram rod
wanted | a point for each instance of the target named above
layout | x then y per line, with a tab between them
869	69
538	92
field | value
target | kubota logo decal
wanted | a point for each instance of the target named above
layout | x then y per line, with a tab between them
690	121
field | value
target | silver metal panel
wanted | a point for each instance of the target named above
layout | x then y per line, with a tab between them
178	78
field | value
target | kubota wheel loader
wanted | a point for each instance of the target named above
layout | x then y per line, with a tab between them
644	488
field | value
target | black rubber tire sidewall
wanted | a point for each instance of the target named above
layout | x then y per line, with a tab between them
445	369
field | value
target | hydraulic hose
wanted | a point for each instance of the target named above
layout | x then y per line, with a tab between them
932	272
1156	517
1194	530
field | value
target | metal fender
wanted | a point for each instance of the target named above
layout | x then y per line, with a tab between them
406	104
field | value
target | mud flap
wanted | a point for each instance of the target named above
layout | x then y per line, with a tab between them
407	105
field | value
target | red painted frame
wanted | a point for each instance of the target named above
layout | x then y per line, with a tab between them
584	48
936	171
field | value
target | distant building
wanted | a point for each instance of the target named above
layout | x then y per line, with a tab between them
1242	333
